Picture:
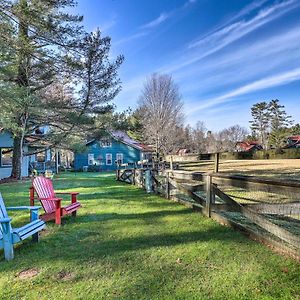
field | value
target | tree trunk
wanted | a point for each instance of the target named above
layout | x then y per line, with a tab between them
22	81
17	158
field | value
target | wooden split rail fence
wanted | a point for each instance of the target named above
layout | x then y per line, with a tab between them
266	210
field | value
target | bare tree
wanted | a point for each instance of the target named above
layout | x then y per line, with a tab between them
199	138
161	107
228	137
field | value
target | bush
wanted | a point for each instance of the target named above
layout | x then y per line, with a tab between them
236	155
290	153
93	168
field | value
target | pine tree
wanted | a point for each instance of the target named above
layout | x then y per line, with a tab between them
260	125
295	130
44	46
278	116
280	123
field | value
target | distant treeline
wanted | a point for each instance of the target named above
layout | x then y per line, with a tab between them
261	154
291	153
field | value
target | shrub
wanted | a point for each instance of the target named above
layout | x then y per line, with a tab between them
93	168
290	153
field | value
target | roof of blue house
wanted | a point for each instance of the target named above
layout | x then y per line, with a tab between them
123	137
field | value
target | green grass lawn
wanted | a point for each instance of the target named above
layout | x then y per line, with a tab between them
125	244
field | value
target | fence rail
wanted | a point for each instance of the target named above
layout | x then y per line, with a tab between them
264	209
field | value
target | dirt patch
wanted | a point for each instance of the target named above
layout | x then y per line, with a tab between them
28	273
65	276
44	232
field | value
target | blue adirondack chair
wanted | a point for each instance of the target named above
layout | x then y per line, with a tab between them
10	236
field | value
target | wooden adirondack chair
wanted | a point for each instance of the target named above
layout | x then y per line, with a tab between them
10	236
51	203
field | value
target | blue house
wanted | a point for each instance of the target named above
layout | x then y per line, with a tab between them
106	153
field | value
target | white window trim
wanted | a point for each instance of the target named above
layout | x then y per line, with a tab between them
91	157
121	157
106	144
106	159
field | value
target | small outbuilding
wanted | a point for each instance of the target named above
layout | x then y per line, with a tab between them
248	146
293	141
6	150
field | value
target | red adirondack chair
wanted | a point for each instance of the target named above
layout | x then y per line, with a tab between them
51	203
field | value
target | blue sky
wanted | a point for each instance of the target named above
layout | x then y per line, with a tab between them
224	55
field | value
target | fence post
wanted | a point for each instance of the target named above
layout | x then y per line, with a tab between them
133	176
171	163
140	178
209	195
148	181
137	176
167	186
217	158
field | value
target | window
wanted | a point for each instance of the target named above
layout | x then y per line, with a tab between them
6	157
119	158
41	156
100	160
91	159
105	143
108	159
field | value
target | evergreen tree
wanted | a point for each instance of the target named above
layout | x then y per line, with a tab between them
278	138
136	126
41	47
295	130
279	121
278	116
260	125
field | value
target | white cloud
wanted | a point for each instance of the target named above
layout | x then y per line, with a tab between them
235	31
110	23
247	10
162	17
145	29
267	82
230	33
188	3
245	62
130	38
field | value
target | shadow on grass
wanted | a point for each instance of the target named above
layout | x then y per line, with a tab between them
153	215
134	194
88	244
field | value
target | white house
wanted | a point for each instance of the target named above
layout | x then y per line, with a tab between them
41	161
6	150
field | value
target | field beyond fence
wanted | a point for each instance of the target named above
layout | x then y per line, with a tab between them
277	168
